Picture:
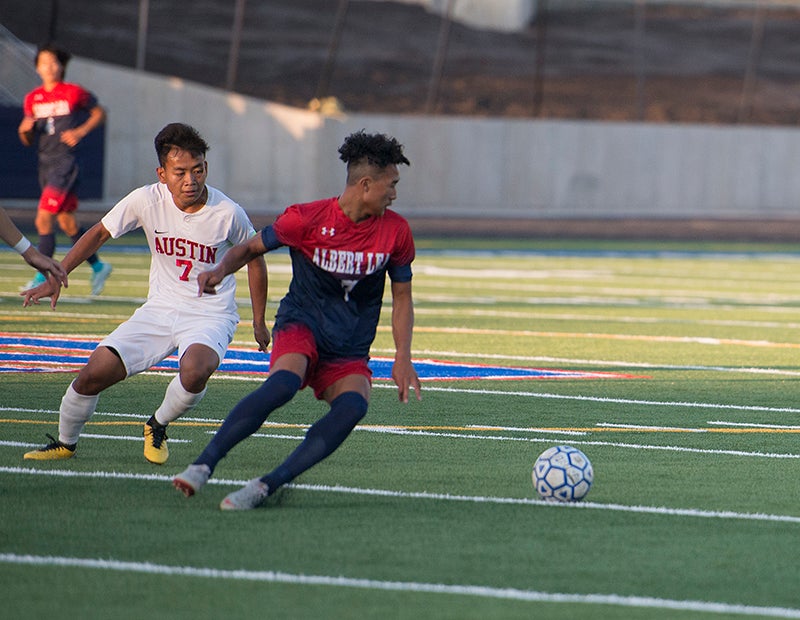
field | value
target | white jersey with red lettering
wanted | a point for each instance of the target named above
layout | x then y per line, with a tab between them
183	244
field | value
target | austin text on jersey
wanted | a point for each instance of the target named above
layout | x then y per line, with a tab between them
185	248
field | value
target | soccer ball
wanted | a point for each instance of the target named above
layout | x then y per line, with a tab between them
562	474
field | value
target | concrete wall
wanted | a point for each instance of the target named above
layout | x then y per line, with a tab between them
516	15
504	15
267	156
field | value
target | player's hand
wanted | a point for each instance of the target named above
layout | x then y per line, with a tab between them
207	282
71	137
50	288
262	336
46	265
405	377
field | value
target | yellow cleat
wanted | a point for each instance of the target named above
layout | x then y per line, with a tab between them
53	451
155	444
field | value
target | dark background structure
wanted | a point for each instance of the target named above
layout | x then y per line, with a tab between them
607	60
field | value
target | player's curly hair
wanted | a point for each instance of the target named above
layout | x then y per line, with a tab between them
377	150
181	136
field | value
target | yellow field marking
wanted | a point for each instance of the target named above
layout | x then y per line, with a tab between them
391	427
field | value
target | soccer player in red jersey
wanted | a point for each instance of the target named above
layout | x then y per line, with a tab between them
341	248
57	116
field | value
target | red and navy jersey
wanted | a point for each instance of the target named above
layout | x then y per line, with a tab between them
339	272
54	111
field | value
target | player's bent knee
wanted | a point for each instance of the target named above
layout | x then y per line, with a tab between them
197	365
104	369
195	380
91	384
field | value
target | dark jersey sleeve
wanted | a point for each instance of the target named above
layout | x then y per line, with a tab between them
270	238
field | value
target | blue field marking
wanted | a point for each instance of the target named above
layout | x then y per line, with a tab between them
21	353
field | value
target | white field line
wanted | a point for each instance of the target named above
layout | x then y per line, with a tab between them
586	279
585	362
597	318
398	430
506	277
777	426
135	416
599	399
439	497
524	429
581	442
591	296
412	587
137	438
705	340
502	438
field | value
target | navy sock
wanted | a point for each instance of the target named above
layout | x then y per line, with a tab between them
321	439
47	244
93	258
249	414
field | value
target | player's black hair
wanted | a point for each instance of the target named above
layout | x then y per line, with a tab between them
377	150
60	53
182	136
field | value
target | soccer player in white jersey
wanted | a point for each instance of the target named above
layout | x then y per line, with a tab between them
189	227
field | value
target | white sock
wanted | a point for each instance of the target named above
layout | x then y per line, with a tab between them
177	401
76	409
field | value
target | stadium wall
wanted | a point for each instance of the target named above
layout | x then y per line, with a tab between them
267	156
506	15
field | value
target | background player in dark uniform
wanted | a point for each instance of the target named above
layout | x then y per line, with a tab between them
59	115
341	250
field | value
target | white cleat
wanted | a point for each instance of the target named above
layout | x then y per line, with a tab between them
250	496
192	479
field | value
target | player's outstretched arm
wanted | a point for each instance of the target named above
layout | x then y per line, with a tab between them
89	243
8	230
46	265
235	258
403	372
258	280
14	237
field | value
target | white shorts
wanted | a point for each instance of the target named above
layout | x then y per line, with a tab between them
155	332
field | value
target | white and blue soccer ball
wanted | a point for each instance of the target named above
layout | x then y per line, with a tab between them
562	474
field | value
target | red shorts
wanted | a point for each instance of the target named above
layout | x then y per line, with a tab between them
55	200
297	338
